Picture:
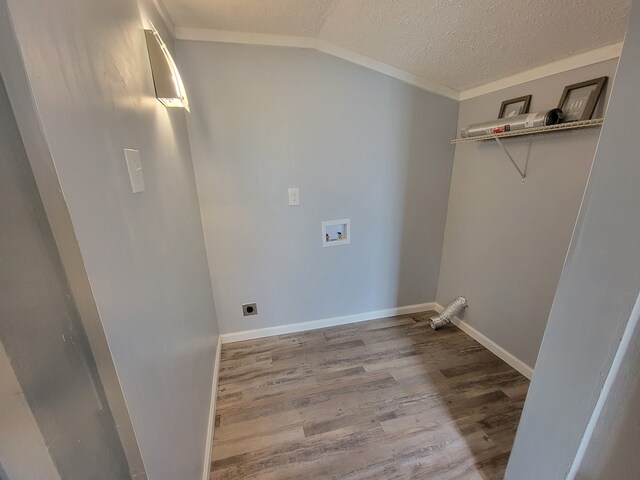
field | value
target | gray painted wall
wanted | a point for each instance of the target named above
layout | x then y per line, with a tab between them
33	311
597	291
359	144
144	254
41	331
614	441
505	242
23	452
55	206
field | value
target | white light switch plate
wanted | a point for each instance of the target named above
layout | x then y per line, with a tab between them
134	165
294	196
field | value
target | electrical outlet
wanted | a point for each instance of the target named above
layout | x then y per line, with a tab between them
134	166
294	196
249	309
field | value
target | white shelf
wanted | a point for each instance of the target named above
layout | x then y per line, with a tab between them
596	122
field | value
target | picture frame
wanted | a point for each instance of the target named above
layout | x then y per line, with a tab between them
515	106
578	101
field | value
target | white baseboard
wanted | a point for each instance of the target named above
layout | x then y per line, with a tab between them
327	322
212	413
490	345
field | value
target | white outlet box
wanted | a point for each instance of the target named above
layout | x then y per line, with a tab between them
336	232
294	196
134	166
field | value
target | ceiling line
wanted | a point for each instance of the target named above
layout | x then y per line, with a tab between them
164	14
264	39
247	38
569	63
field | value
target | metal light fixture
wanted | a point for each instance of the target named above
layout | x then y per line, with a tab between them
166	77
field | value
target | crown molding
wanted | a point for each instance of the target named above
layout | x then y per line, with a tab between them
246	38
164	15
570	63
386	69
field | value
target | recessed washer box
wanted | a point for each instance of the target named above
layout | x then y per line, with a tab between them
336	232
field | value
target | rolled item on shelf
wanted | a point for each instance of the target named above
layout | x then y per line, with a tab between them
510	124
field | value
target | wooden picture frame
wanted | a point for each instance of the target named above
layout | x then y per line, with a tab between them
521	104
578	101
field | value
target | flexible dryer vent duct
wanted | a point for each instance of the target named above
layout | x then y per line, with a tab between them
449	312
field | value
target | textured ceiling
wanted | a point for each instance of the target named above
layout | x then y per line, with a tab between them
455	43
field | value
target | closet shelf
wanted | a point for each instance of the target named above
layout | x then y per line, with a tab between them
596	122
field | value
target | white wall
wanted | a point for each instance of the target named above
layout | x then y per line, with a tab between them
595	301
359	144
89	75
505	242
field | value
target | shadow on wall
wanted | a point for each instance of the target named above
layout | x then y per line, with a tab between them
427	170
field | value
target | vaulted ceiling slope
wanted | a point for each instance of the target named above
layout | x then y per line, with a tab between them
456	43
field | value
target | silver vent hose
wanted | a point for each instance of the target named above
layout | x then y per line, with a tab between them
449	312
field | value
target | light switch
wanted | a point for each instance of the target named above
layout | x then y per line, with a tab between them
134	165
294	196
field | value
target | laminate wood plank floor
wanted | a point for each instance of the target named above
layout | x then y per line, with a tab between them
384	399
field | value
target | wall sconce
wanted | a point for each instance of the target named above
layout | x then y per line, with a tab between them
166	77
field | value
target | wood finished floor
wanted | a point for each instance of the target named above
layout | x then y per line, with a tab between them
384	399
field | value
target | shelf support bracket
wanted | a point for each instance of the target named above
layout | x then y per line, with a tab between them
523	173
